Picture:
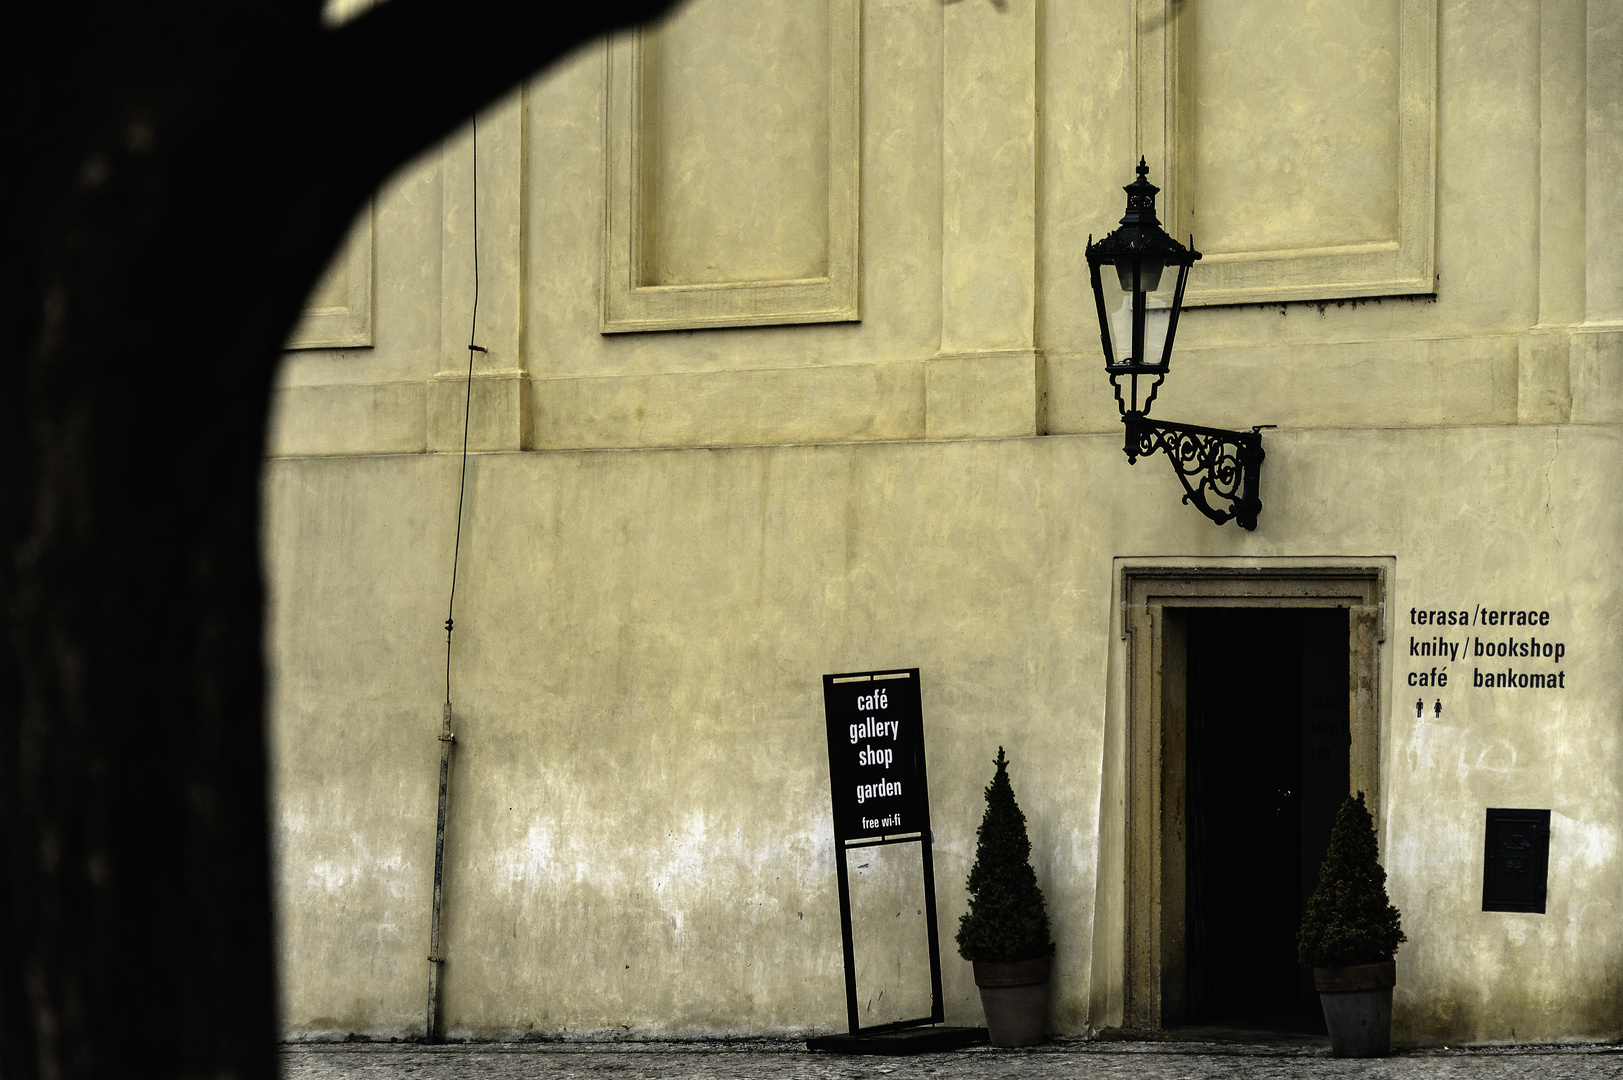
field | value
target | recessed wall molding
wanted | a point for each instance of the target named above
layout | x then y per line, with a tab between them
1303	159
732	168
338	314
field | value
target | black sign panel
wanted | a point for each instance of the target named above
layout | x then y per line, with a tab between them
1516	864
876	754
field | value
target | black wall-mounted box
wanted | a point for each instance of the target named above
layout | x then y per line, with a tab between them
1516	863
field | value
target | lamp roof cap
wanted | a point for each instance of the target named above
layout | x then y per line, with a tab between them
1141	235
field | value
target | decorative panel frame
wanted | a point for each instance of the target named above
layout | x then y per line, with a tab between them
348	324
1163	133
630	306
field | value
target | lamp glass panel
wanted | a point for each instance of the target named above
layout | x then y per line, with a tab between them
1157	316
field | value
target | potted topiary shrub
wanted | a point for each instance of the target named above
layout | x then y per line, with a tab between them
1350	936
1005	932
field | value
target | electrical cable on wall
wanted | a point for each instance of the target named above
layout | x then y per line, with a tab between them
446	738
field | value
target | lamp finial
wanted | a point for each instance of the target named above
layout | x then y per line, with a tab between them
1141	199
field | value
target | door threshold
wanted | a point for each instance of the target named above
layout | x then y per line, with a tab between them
1218	1033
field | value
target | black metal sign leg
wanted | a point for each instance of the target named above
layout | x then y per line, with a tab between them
938	1010
844	875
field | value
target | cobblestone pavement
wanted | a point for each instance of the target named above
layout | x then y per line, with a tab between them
766	1060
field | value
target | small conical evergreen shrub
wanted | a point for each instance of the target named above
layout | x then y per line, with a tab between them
1007	919
1349	919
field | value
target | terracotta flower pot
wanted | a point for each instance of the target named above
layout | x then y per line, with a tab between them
1357	1003
1015	997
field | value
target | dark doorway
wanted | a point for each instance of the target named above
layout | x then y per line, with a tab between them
1267	767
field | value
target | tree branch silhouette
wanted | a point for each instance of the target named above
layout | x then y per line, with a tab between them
181	171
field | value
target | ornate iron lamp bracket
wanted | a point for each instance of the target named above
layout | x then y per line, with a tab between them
1220	470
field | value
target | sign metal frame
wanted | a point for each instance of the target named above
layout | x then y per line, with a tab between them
907	712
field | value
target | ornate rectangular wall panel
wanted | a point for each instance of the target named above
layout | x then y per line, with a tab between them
338	313
732	139
1296	140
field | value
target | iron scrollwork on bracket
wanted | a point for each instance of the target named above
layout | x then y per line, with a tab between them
1219	469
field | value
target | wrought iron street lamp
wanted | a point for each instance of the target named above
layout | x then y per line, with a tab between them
1138	319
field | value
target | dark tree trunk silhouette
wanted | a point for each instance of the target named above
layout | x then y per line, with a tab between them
180	174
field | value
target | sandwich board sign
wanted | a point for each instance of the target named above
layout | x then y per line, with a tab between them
880	794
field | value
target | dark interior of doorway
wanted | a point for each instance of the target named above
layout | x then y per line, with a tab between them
1267	767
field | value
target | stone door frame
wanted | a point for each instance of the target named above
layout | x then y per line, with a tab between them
1155	600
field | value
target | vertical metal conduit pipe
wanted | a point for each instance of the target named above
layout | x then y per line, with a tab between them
447	740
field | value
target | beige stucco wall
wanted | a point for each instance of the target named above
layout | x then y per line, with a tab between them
670	536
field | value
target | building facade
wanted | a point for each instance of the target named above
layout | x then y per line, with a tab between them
790	366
